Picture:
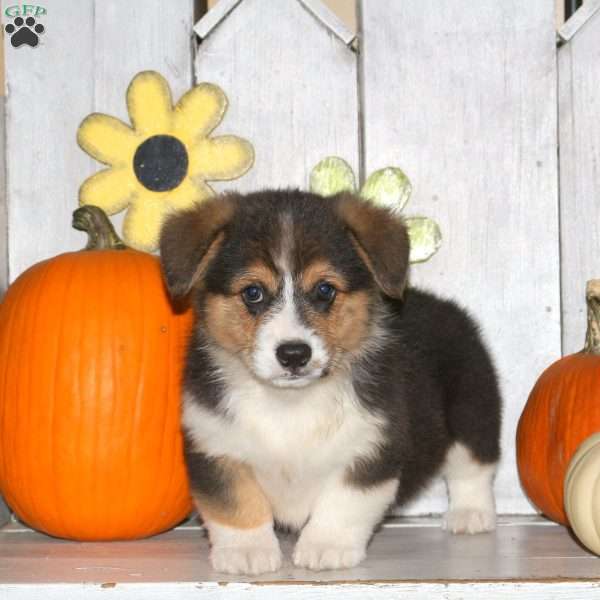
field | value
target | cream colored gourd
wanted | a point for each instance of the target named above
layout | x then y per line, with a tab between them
582	493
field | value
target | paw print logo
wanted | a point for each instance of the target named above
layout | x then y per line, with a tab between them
24	31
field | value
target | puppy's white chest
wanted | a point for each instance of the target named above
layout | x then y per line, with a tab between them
295	440
293	466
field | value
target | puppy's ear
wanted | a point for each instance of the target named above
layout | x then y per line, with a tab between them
189	240
381	240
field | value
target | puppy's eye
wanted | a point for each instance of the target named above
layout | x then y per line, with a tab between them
325	291
253	294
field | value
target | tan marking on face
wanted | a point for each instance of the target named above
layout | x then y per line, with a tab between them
321	270
346	325
229	323
247	506
258	273
227	318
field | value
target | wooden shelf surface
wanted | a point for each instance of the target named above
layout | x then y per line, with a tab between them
526	557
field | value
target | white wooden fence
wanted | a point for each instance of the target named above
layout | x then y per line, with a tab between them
462	95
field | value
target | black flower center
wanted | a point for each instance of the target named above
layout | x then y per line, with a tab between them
160	163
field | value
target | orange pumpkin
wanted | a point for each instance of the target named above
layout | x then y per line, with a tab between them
91	354
563	409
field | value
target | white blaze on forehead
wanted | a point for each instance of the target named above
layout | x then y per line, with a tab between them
286	243
283	324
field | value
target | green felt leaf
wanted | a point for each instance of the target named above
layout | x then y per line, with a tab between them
388	187
331	176
425	238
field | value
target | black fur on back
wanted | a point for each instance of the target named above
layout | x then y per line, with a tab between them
435	382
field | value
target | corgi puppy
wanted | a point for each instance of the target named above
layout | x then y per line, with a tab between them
319	388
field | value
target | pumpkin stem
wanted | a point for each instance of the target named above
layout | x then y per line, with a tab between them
592	335
101	233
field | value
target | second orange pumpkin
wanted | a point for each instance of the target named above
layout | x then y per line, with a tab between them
563	409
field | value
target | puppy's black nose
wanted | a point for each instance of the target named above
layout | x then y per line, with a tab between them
293	354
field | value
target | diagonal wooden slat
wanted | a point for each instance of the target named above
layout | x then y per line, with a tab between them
580	18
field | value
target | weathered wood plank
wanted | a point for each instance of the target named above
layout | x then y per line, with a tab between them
3	203
409	590
465	102
49	90
4	511
579	131
84	68
161	41
291	84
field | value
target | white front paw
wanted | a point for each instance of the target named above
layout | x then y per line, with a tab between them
252	560
327	555
244	551
469	520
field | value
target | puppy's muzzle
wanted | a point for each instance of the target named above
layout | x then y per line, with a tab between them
293	355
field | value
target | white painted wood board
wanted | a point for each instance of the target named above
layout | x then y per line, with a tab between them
464	100
50	90
4	511
524	558
311	591
86	58
3	206
579	131
291	85
130	39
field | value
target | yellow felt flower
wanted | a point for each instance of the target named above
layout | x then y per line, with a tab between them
161	163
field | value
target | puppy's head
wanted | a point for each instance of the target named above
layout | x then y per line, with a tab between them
289	282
